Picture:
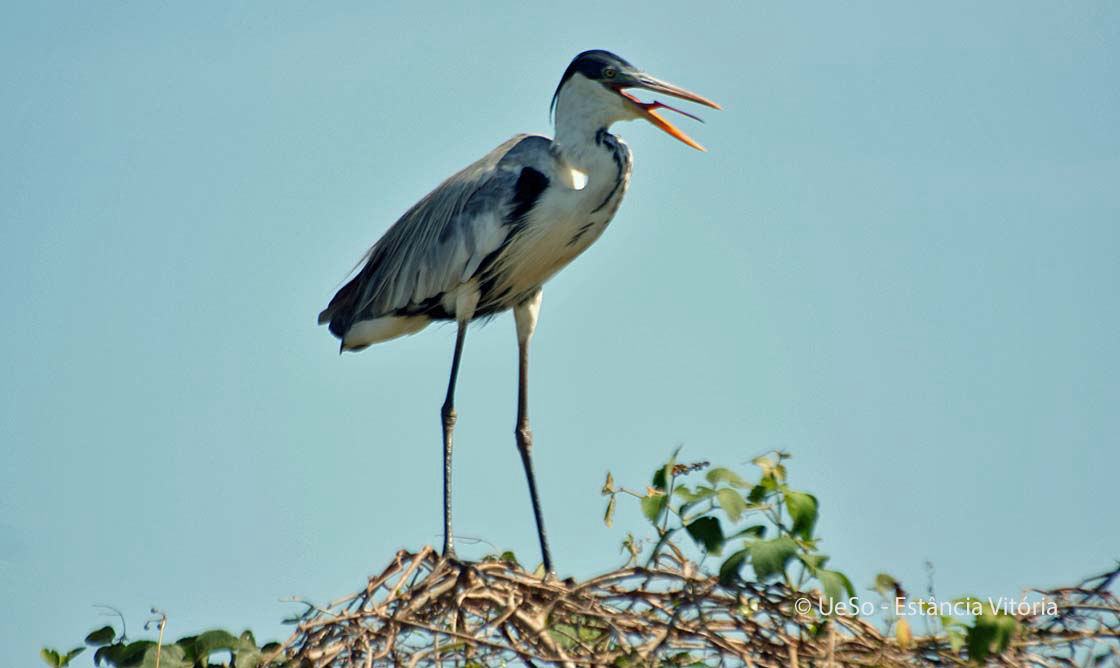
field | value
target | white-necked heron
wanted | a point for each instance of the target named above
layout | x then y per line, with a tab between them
489	237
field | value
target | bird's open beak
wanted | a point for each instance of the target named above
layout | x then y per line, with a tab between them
646	109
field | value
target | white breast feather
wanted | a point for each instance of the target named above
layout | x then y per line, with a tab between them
545	244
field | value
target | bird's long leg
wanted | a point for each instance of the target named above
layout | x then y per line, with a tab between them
447	413
525	315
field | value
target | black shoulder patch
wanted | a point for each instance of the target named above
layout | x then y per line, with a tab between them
530	184
526	193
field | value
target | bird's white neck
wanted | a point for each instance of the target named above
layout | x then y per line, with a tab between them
583	108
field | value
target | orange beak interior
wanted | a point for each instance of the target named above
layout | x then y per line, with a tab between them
647	109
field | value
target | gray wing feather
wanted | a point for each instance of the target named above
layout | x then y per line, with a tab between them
440	242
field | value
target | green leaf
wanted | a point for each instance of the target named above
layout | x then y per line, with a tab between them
690	497
757	531
662	475
763	488
729	570
732	503
102	636
769	557
718	475
608	517
652	507
707	532
248	655
948	622
170	656
835	584
131	654
979	639
813	562
1007	626
51	657
765	464
217	640
885	585
247	639
770	469
70	655
107	653
956	641
803	509
990	633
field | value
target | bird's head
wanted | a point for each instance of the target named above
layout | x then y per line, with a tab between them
596	89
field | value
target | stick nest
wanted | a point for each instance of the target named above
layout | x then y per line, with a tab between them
423	610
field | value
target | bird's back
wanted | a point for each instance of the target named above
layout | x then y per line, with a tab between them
439	244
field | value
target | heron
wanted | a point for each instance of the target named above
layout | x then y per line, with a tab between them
486	239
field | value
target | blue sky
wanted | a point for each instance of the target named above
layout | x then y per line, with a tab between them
898	261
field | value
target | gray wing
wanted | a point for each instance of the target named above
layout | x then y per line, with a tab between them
442	240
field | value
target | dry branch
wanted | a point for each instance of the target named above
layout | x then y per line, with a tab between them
426	611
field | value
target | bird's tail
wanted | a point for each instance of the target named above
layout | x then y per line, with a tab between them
340	312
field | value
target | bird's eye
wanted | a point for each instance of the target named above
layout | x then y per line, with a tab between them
609	72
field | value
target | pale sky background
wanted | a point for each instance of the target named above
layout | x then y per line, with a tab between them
899	261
